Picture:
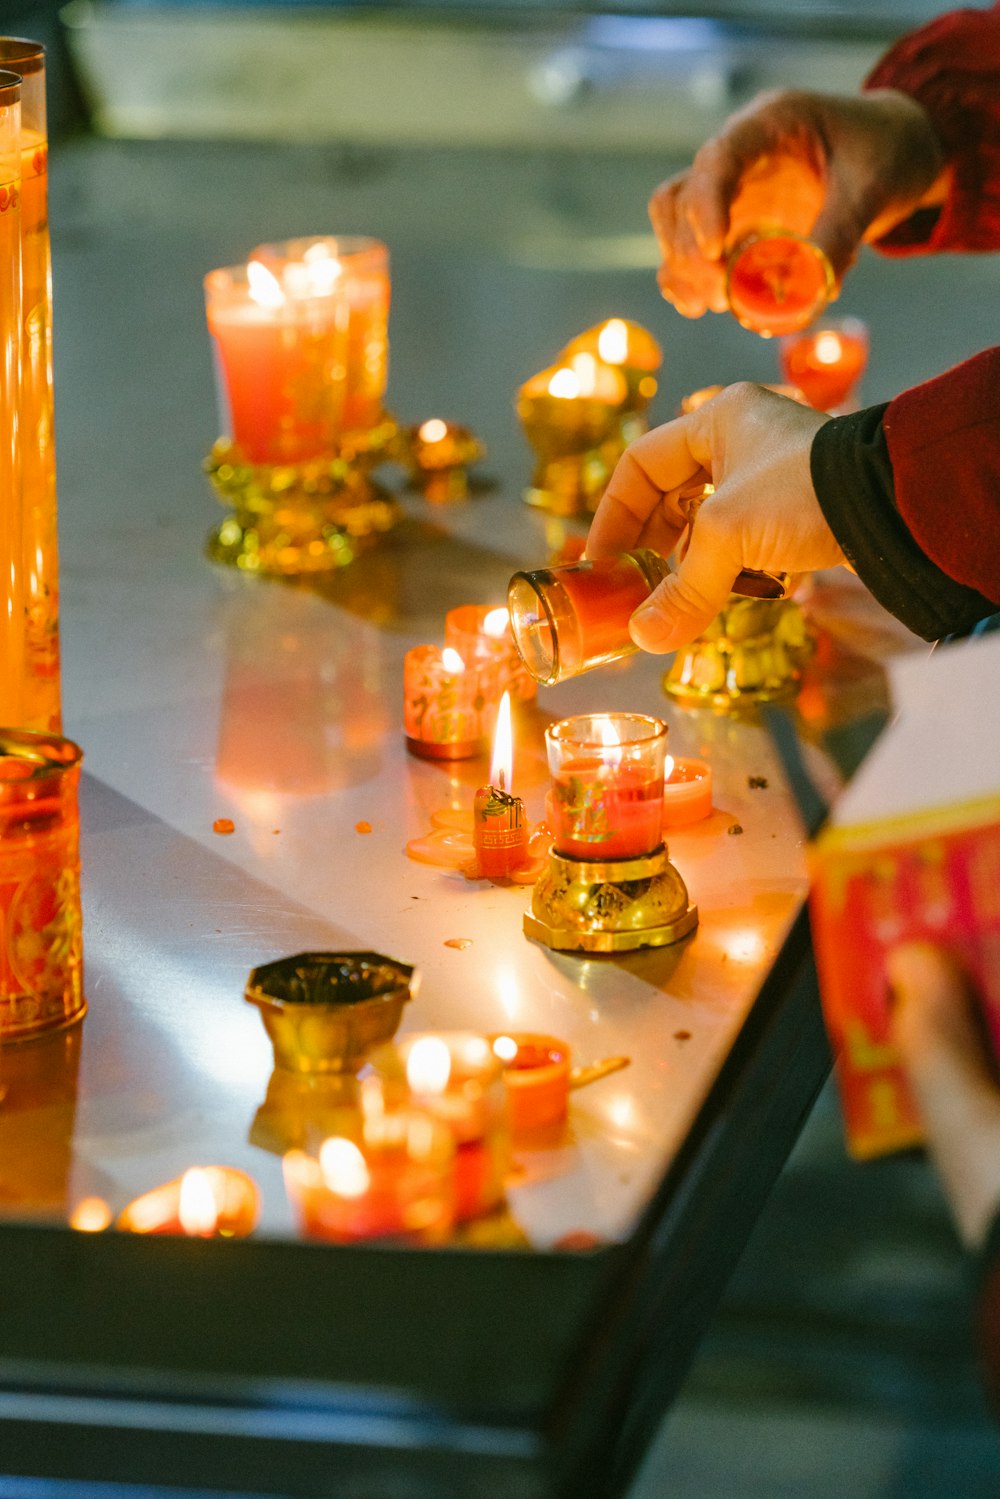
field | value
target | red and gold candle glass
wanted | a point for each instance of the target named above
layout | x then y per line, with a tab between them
826	362
569	619
207	1202
41	938
499	828
777	278
480	633
40	708
449	707
13	595
385	1174
536	1077
357	268
455	1077
606	798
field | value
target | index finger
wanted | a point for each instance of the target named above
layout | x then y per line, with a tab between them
651	469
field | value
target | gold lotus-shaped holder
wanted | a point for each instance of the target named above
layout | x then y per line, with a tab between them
752	653
324	1011
307	517
608	907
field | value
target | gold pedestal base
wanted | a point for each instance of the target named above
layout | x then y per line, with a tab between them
301	518
572	484
610	907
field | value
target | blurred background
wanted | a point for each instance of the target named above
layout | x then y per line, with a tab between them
505	152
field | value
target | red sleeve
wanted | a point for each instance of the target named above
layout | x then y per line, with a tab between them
944	443
952	67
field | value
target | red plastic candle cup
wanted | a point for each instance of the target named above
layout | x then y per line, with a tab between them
499	828
449	708
454	1077
777	281
687	792
482	633
826	362
606	798
207	1202
384	1175
536	1077
569	619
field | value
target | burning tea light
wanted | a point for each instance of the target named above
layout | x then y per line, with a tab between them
499	829
437	454
449	705
536	1077
687	792
827	361
606	801
483	634
626	346
386	1175
207	1202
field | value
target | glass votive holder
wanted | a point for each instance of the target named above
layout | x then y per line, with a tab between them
449	706
777	281
571	618
826	362
41	926
480	633
606	797
455	1077
386	1174
536	1076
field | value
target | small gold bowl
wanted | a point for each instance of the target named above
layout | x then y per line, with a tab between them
325	1010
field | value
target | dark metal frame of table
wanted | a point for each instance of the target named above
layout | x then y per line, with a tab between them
298	1369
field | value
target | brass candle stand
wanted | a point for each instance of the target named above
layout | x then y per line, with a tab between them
610	906
752	653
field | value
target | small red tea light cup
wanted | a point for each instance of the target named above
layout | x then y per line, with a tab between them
207	1202
826	361
454	1077
384	1175
687	792
482	634
606	799
449	705
499	826
536	1077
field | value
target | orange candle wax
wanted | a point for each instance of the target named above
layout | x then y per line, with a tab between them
606	800
499	829
536	1077
826	362
687	792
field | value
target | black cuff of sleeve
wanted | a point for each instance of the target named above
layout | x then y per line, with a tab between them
986	1257
852	476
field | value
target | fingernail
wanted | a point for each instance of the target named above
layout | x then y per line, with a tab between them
644	626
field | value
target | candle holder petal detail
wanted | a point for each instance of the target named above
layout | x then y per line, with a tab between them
753	653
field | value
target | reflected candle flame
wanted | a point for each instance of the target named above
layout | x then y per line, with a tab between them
92	1215
433	430
428	1065
502	764
585	369
505	1047
827	349
344	1168
196	1209
264	287
496	622
451	660
565	385
612	342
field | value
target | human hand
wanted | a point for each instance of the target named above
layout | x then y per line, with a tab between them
754	447
876	158
954	1081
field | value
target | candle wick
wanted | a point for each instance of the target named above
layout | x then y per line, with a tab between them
502	777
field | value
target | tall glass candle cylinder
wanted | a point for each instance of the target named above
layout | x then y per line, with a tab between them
41	707
606	799
12	589
41	941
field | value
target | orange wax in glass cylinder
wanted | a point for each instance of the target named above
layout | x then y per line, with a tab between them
777	279
827	361
363	290
536	1076
40	563
383	1176
13	599
569	619
41	941
449	708
687	792
207	1202
606	800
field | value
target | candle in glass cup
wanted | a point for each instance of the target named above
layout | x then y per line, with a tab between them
449	707
826	361
499	828
536	1077
606	798
483	633
13	592
687	791
777	278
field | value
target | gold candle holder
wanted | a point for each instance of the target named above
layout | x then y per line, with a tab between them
752	653
571	415
631	348
437	455
609	885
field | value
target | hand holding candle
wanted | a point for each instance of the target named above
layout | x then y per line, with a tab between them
499	829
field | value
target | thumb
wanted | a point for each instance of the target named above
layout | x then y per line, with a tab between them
687	601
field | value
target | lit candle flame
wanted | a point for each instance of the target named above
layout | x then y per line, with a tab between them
345	1170
428	1065
502	764
92	1215
433	430
612	342
565	385
197	1208
264	286
609	736
451	660
585	369
505	1047
668	767
322	270
496	622
827	349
